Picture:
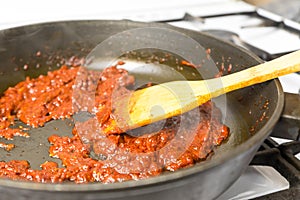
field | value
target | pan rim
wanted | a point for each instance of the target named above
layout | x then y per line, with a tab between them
163	178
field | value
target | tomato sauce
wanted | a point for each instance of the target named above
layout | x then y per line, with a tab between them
99	151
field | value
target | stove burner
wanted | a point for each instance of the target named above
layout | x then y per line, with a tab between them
281	157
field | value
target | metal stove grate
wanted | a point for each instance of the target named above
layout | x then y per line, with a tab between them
282	158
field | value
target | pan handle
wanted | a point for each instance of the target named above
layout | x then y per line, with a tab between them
288	126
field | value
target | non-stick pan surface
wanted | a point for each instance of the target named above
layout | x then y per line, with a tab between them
45	47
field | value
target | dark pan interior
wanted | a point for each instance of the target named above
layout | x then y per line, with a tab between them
45	47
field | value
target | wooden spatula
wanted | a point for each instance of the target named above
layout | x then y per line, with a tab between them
173	98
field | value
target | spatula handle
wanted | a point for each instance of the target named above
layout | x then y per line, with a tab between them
266	71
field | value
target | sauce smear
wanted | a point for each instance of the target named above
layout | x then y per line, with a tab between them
175	143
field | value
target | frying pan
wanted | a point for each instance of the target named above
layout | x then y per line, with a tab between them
44	47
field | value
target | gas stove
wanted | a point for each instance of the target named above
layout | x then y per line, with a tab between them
274	171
